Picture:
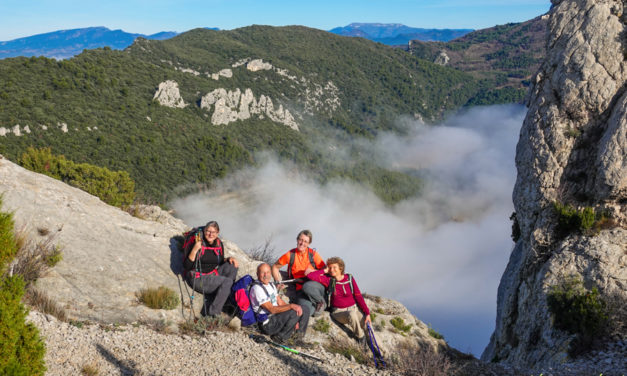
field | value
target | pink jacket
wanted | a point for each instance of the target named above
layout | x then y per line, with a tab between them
342	298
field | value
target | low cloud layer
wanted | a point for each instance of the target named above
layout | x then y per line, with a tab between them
441	254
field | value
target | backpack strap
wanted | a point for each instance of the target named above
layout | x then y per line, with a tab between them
310	253
331	289
289	266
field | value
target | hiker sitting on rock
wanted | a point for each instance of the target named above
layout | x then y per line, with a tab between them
207	270
276	317
300	261
347	304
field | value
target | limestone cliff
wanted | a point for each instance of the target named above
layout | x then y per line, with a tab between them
572	150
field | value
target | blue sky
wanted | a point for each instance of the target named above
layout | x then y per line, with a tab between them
20	18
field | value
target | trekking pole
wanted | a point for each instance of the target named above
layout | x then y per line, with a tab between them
259	339
295	280
375	354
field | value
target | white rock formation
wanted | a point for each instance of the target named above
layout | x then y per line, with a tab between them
63	127
188	70
572	149
442	58
257	65
168	95
230	106
16	130
4	131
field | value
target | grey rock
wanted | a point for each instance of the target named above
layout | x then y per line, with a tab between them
572	149
168	95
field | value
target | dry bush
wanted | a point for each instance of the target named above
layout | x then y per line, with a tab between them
412	359
90	369
349	348
264	253
204	324
159	298
42	303
34	258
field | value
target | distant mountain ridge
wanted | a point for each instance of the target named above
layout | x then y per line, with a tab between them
396	34
63	44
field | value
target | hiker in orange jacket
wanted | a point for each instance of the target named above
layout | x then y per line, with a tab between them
301	261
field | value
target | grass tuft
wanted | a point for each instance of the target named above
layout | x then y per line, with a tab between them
159	298
322	325
43	303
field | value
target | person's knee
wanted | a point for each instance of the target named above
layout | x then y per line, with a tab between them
313	289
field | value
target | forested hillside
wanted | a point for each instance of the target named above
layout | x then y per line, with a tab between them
503	58
99	107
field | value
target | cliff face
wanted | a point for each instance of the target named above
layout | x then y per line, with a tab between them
572	149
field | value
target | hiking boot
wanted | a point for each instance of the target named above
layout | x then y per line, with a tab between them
319	309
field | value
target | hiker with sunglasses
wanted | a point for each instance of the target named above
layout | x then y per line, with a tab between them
347	304
300	261
207	270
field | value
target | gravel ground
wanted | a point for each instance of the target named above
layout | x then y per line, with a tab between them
129	350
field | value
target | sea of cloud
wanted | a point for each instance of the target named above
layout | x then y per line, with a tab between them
442	254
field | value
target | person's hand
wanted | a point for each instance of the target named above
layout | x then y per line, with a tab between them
280	286
233	262
367	320
326	270
297	308
309	270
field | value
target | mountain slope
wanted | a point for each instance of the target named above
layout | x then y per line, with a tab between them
504	57
303	88
397	34
64	44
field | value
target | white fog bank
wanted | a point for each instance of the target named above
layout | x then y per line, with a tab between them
441	254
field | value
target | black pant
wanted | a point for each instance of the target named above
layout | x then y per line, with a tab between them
282	324
216	288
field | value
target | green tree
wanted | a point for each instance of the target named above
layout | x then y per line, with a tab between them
21	349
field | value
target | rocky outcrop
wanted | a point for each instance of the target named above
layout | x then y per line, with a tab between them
168	95
442	58
572	149
257	65
230	106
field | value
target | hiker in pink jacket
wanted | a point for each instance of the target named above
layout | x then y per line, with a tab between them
347	304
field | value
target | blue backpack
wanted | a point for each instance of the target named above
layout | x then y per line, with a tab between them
240	296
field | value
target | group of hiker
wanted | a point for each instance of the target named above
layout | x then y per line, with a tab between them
311	286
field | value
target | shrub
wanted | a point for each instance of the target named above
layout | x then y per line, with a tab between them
264	253
348	348
399	324
33	259
21	349
42	302
159	298
322	325
433	333
90	369
115	188
203	325
411	359
579	311
570	219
